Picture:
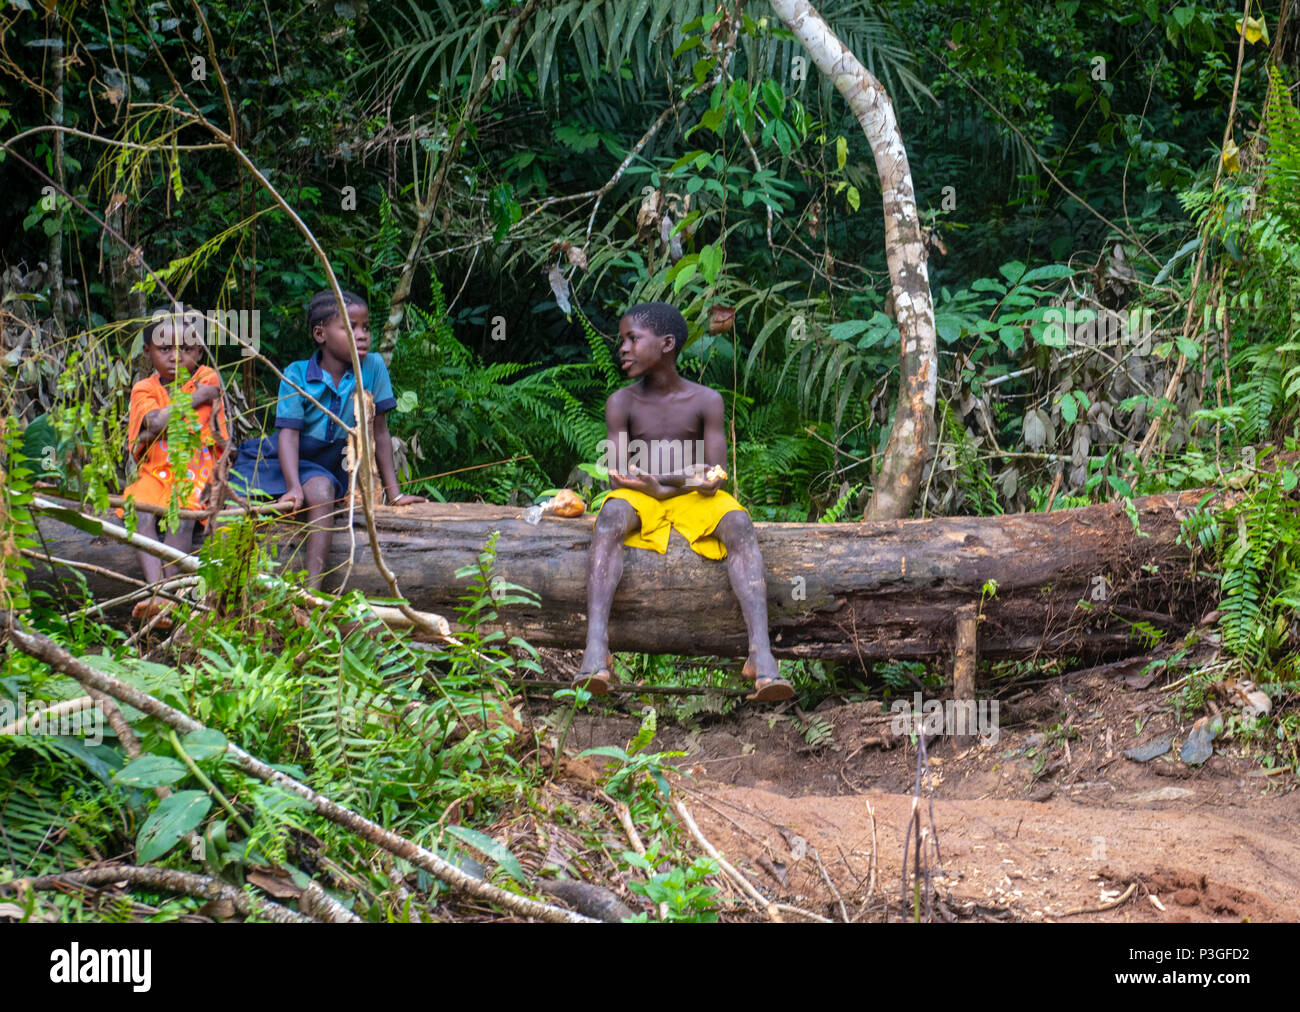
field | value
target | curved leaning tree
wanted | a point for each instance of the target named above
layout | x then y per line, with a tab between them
899	477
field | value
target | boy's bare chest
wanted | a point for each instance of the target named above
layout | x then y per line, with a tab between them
682	420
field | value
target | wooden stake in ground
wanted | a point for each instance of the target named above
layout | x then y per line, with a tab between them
963	667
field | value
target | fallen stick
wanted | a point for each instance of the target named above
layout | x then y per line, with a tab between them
871	882
633	837
45	649
761	904
119	501
167	879
785	908
161	589
844	914
325	907
89	567
1105	906
77	705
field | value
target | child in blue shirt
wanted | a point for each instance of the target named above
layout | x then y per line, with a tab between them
304	464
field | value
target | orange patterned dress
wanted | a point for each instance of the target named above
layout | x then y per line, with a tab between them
154	484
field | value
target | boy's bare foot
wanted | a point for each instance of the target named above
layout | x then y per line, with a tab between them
769	687
596	682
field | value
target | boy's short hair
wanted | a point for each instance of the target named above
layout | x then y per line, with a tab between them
324	307
186	323
157	317
663	318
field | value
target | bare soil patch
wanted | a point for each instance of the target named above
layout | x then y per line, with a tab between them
1052	822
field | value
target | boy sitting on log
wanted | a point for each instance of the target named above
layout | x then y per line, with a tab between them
681	489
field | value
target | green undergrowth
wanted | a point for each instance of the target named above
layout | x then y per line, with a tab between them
417	739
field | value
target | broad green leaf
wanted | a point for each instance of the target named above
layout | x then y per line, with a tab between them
1119	485
773	97
151	771
853	197
484	844
684	276
1183	250
612	751
949	326
848	329
1069	409
1046	273
204	744
713	119
1188	347
1012	337
1012	271
710	263
170	821
75	519
841	152
682	162
687	46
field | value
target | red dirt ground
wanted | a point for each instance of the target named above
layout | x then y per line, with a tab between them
1035	827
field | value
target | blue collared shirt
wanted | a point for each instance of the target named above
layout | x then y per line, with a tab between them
296	412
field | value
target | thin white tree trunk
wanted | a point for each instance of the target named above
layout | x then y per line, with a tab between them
898	479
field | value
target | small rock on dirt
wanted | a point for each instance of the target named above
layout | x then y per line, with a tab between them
1198	746
1149	751
1161	794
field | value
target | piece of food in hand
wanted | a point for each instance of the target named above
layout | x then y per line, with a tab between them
568	504
715	473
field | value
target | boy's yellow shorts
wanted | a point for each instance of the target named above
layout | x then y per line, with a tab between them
695	516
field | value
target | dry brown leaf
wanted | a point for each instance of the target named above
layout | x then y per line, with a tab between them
279	886
577	256
721	319
647	214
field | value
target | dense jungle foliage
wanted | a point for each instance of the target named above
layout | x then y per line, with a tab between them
1115	300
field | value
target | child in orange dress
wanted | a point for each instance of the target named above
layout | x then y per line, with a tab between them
168	350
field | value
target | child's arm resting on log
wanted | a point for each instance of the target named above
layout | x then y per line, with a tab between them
287	450
387	472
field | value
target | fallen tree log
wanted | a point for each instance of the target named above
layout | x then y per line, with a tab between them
1078	581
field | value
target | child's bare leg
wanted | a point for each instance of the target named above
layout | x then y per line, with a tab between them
318	497
182	539
616	521
147	527
745	570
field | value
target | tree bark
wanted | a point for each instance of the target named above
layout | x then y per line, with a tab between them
124	270
898	480
1067	582
162	880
